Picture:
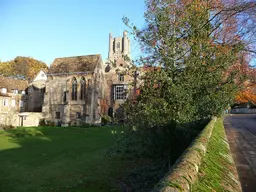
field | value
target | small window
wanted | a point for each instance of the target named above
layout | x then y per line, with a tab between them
15	91
5	102
78	115
42	75
65	96
121	77
57	115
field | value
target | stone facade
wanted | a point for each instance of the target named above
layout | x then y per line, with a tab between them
13	96
118	73
21	119
74	90
119	47
13	99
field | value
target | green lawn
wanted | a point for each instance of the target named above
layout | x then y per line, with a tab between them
58	159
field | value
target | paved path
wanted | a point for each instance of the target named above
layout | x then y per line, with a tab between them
241	134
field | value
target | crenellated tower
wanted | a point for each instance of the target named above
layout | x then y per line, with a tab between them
118	48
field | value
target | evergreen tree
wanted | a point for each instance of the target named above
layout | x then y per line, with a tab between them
193	45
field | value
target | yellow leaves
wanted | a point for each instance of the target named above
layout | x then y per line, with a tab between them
247	95
24	66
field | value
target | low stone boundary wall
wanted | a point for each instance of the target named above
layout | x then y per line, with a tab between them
184	171
14	119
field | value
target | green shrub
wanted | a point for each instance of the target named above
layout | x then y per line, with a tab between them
105	119
42	122
84	124
159	146
49	123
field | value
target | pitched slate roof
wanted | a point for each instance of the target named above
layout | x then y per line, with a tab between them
10	83
74	64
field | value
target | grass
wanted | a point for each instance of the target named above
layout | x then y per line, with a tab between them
59	159
217	170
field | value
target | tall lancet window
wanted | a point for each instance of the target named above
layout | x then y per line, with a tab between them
83	89
74	89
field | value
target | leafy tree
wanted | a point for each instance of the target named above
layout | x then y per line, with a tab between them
22	67
6	68
191	70
247	94
195	44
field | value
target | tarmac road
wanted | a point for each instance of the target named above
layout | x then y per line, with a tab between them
241	134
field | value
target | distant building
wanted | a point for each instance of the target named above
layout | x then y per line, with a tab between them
13	98
74	90
36	90
83	88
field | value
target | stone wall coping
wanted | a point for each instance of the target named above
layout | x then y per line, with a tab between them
184	172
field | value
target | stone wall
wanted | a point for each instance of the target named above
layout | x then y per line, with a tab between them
184	172
14	119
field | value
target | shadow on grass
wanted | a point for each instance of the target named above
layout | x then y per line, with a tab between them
74	159
56	159
159	147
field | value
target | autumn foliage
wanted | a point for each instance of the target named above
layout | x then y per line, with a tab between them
247	95
22	67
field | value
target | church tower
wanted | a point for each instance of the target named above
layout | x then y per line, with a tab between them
118	48
117	77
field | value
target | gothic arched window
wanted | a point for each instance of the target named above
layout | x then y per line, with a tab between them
74	89
83	89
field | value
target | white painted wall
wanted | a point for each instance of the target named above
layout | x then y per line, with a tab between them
41	76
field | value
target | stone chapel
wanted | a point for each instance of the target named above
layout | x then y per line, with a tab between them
83	88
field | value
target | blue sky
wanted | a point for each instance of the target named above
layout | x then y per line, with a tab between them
46	29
